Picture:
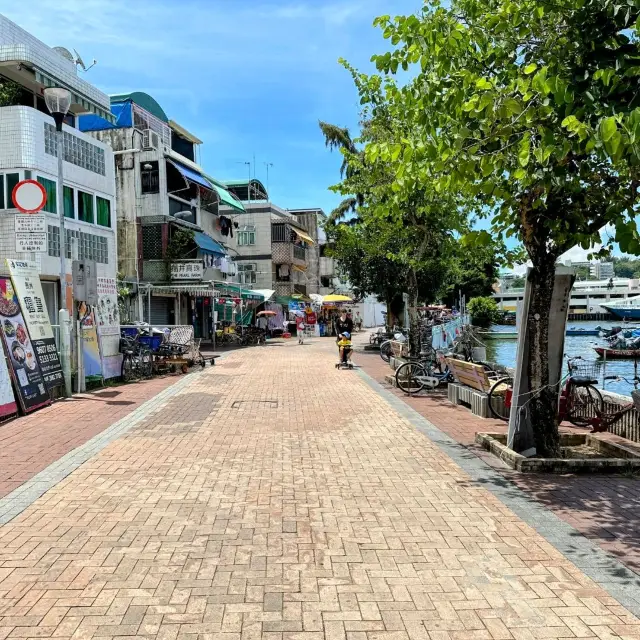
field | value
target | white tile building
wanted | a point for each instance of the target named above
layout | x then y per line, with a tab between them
28	150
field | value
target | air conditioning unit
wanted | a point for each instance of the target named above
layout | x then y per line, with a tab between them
150	140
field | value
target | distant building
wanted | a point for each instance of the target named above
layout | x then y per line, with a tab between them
601	270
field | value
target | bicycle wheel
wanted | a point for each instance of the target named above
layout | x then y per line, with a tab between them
583	405
127	368
146	364
385	350
499	398
408	377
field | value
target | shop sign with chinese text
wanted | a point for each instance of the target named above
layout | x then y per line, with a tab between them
187	271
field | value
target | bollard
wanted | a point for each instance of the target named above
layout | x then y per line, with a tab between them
65	349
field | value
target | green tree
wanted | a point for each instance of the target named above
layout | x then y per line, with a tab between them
531	110
414	229
483	311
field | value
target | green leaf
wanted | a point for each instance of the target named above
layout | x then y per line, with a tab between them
608	128
524	150
530	68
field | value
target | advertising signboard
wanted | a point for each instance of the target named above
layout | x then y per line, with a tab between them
107	318
21	354
90	344
28	289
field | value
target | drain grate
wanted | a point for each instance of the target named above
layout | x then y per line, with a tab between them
240	404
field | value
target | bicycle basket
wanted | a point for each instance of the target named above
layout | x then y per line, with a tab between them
585	369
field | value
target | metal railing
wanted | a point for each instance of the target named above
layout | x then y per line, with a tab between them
299	253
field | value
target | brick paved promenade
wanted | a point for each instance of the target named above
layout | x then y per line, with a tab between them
275	497
604	508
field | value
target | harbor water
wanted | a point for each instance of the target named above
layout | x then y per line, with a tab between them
504	352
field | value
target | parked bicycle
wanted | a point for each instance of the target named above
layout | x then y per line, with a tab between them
137	359
427	371
581	402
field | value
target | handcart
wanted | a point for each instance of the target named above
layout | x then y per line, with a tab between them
174	349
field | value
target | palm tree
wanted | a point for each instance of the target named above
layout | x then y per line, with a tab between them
340	138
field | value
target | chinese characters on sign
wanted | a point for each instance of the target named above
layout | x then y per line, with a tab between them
28	289
187	270
107	317
21	352
30	224
31	242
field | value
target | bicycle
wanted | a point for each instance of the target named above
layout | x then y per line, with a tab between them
137	359
580	403
427	371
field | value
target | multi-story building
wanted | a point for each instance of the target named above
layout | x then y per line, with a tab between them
28	150
173	235
274	246
601	270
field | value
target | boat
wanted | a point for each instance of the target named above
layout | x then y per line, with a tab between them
618	354
498	335
627	308
577	331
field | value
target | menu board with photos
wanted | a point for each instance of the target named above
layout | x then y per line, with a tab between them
28	289
21	354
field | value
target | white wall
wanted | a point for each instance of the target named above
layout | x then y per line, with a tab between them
22	148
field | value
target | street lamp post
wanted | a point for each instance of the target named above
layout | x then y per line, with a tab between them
58	101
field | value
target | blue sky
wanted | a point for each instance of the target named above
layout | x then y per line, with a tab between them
246	76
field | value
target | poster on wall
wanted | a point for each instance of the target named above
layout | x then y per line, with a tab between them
28	289
90	344
23	364
107	318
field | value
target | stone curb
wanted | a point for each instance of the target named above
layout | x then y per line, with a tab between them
618	581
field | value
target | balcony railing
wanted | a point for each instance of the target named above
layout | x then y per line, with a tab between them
299	253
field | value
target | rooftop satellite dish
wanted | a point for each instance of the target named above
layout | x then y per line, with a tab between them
65	53
79	61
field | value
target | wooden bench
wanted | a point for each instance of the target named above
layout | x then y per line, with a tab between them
471	387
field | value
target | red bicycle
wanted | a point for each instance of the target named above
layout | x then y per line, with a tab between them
580	403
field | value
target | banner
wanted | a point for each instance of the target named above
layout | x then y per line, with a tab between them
90	345
27	287
24	367
107	318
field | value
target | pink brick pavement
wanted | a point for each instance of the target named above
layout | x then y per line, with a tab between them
31	443
605	509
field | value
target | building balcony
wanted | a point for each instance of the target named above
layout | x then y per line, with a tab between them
288	253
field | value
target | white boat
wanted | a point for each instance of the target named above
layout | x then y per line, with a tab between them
627	308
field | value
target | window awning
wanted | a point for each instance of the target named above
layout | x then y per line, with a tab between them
303	236
228	290
228	199
48	80
207	244
267	294
191	175
295	267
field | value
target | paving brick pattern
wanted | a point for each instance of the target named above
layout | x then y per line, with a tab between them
31	443
275	497
605	509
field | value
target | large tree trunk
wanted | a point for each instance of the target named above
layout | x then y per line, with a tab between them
414	317
543	405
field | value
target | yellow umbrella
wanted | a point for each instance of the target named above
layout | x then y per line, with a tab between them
334	297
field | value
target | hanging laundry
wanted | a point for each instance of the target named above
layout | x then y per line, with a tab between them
225	226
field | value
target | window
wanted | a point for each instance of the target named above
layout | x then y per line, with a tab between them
12	181
69	204
104	211
85	207
150	177
50	188
247	273
1	191
90	246
76	150
247	235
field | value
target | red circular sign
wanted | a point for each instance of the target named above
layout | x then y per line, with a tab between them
29	196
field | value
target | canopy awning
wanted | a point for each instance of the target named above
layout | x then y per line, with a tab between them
295	267
228	290
303	236
207	244
267	294
191	175
226	197
204	290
